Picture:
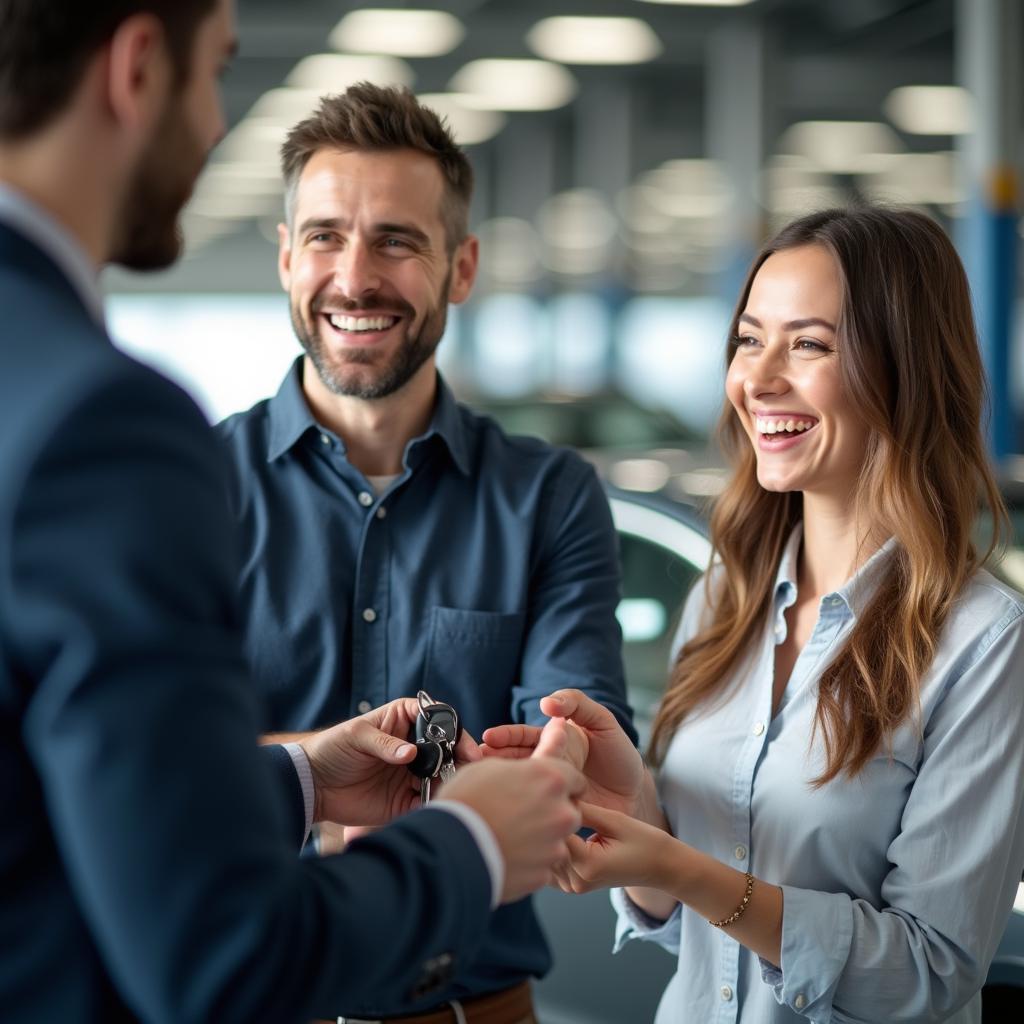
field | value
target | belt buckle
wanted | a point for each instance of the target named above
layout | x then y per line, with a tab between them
357	1020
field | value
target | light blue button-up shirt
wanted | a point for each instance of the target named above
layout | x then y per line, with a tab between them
897	885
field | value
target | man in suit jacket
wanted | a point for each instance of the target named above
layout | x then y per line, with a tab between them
147	845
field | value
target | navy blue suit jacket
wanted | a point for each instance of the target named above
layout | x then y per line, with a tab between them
147	845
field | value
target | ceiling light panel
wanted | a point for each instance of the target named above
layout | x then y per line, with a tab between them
468	125
843	147
931	109
335	72
402	33
514	85
701	3
594	40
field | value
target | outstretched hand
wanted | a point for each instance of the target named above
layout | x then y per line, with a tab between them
620	852
596	745
360	766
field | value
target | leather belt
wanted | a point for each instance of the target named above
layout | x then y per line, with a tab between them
508	1006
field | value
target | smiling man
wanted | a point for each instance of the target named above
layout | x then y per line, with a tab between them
393	540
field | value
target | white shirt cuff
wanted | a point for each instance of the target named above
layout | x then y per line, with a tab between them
485	841
305	773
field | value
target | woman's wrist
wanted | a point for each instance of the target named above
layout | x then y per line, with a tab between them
646	806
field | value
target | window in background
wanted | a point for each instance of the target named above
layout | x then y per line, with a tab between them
581	341
671	353
511	346
226	351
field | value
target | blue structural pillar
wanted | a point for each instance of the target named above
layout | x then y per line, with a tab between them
989	48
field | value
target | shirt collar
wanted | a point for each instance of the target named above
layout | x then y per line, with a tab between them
855	593
290	418
60	245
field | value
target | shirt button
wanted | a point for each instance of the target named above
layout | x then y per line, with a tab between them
740	852
324	439
726	993
758	728
381	512
364	706
800	1002
369	615
365	499
834	601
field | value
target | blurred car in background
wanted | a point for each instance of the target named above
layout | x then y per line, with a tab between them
603	420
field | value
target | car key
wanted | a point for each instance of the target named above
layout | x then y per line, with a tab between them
435	732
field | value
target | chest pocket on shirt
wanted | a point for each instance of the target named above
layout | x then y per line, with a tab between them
473	661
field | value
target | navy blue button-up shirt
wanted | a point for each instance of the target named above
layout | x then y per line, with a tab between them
486	573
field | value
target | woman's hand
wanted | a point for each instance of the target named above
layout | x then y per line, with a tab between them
615	772
621	852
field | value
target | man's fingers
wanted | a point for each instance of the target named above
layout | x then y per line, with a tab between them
370	740
467	750
500	736
553	740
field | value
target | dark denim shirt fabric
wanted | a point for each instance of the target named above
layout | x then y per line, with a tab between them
487	574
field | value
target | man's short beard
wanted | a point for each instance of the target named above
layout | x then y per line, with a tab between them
412	353
150	236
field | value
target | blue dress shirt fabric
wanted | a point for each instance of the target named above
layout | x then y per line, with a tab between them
486	573
897	885
148	846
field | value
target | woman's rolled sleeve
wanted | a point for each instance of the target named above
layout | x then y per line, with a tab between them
633	923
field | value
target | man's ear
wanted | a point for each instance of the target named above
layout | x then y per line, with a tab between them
139	72
464	267
284	256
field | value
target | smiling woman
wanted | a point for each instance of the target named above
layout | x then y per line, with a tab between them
840	768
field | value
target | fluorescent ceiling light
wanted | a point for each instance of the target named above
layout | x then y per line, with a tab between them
594	40
403	33
284	106
688	189
468	125
931	109
514	85
701	3
843	147
335	72
920	178
254	142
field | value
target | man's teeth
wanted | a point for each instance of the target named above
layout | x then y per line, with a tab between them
361	323
766	426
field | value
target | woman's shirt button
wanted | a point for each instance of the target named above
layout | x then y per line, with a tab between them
758	728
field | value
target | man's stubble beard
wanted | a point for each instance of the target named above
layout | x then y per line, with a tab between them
413	351
150	236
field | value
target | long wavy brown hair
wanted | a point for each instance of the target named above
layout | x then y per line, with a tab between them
909	360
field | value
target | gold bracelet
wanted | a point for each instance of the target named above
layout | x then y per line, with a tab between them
740	910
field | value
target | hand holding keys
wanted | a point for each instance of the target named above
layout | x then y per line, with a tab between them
435	732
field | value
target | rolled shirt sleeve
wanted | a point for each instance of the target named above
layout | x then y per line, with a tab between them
633	923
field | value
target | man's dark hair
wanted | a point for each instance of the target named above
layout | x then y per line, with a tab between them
45	46
369	118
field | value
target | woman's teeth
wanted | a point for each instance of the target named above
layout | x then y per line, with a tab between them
780	426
